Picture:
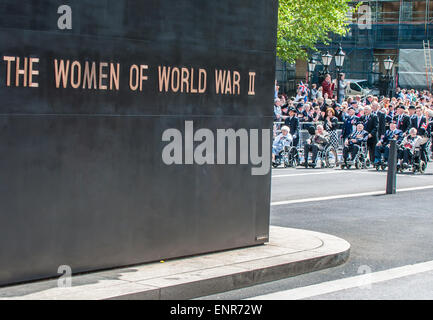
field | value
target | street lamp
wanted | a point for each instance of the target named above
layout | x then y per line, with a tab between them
388	63
339	62
326	61
339	57
311	68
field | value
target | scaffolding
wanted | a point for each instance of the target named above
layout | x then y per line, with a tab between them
427	63
394	25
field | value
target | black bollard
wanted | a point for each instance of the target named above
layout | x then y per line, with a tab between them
392	169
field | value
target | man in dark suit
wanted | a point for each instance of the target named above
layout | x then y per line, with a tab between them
350	121
418	120
371	124
402	120
381	118
412	110
382	146
292	121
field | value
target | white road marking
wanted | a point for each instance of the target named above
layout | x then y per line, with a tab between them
349	195
305	174
361	281
347	172
385	173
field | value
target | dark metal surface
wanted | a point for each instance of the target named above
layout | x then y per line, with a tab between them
82	179
391	179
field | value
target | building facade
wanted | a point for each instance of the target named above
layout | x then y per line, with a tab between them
379	29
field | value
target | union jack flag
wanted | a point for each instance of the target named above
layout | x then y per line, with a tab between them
303	87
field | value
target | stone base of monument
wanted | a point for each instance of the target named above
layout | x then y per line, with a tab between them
290	252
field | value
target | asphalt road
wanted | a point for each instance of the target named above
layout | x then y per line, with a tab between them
385	232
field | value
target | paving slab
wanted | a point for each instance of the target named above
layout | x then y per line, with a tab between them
290	252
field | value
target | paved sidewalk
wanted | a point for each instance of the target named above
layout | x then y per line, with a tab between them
290	252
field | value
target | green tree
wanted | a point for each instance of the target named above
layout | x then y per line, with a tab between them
304	23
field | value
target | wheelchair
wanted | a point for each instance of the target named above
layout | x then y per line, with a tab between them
326	158
361	160
382	164
416	164
289	157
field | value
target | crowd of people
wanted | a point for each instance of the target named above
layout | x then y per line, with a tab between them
347	123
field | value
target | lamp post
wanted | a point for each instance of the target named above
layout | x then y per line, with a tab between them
339	62
388	63
326	61
311	68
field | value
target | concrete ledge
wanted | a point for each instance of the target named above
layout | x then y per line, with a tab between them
290	252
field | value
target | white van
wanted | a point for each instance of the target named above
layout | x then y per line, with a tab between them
359	88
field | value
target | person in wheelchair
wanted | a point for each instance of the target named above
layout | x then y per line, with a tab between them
382	147
318	141
284	139
407	148
353	143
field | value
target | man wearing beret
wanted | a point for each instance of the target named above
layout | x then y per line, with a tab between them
292	121
349	122
402	120
412	109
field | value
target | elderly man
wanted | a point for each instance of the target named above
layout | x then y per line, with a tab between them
381	118
402	119
382	146
419	122
371	124
317	142
353	143
409	143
